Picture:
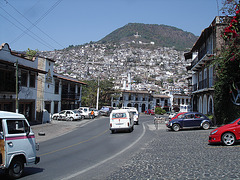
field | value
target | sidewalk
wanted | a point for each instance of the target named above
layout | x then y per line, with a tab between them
56	128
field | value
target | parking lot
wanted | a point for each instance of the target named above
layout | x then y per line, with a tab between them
181	155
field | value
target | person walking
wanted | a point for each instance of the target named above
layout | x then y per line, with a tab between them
92	114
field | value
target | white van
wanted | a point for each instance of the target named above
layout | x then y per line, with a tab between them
17	144
121	119
135	114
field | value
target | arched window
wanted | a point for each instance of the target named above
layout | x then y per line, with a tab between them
210	105
205	104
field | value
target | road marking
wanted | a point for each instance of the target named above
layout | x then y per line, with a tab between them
102	162
74	144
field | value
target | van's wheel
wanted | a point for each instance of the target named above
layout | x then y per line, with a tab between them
16	168
113	131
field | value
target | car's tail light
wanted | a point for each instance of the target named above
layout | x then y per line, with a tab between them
110	124
128	124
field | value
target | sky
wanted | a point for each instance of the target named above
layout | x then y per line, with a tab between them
47	25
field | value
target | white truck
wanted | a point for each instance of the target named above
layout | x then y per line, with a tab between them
121	119
17	144
86	113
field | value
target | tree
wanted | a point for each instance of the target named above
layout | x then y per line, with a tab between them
159	110
31	53
228	7
89	93
227	107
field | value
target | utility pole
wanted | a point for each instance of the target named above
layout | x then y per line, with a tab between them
97	95
16	64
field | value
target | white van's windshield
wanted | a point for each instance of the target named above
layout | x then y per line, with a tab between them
119	115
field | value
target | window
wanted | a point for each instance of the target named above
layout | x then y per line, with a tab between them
119	115
32	80
68	113
17	126
24	78
189	116
55	106
56	86
199	116
7	80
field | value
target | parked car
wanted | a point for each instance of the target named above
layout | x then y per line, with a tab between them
149	111
68	115
190	120
85	112
81	113
105	111
227	134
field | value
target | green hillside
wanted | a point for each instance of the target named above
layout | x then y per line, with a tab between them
161	35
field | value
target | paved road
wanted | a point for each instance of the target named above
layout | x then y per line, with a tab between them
181	155
84	152
155	154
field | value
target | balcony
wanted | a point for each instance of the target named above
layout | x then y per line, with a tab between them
204	84
72	96
197	64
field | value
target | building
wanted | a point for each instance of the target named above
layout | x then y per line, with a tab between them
30	86
141	100
208	45
18	94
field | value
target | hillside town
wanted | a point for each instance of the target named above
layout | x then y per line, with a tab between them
151	67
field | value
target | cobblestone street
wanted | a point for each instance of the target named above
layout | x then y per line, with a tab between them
181	155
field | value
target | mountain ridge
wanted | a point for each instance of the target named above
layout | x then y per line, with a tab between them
159	35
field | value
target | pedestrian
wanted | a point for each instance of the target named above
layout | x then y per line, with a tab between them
92	114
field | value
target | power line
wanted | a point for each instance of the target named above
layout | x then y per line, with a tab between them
23	30
34	24
39	20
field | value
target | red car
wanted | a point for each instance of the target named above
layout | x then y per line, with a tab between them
149	111
227	134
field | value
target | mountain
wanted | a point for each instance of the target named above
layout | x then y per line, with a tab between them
161	35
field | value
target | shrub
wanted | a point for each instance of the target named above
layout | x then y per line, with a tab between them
159	110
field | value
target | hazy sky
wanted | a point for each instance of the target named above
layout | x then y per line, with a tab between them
56	24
